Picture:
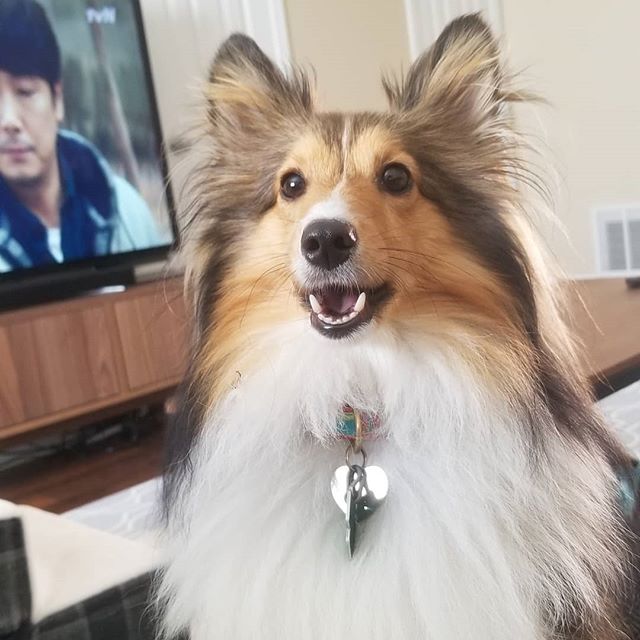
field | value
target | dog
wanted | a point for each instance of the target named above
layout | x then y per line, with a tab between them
379	269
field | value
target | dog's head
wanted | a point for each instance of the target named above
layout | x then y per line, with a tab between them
321	245
340	223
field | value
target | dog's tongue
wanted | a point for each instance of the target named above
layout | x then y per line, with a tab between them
339	302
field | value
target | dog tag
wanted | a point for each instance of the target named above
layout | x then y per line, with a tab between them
358	492
377	485
351	518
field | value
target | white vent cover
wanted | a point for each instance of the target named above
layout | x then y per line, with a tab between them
618	239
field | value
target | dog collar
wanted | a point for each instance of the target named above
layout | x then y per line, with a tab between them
357	427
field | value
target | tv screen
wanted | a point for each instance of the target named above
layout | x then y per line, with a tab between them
82	175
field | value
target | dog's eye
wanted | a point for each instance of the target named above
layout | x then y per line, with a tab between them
292	185
395	178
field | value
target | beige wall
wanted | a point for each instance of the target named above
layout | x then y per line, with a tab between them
584	57
349	43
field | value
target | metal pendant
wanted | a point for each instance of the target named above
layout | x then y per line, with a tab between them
358	490
351	520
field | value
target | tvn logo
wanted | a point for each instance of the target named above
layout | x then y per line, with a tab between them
104	15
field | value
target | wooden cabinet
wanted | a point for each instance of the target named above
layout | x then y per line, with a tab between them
57	362
74	361
152	339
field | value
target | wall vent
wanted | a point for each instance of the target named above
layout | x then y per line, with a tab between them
618	239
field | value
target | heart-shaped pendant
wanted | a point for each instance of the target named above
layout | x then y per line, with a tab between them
358	491
377	488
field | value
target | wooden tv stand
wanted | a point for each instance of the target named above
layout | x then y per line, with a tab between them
70	363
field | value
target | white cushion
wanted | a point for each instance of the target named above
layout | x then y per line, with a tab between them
69	562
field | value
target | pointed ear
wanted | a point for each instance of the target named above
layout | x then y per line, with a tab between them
246	92
459	76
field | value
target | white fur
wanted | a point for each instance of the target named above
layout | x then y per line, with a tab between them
477	536
332	207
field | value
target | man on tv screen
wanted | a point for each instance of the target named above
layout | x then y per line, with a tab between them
59	198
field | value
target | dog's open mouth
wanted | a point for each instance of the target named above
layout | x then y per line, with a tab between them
337	312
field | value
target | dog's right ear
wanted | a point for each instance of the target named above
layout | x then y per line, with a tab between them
247	93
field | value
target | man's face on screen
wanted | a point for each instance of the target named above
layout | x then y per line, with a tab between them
29	116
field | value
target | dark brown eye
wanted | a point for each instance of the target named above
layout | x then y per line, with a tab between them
395	178
292	185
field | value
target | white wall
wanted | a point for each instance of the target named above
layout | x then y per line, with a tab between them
183	36
178	59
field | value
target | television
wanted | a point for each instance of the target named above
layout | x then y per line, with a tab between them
84	190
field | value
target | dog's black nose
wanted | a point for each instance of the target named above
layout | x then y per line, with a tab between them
328	243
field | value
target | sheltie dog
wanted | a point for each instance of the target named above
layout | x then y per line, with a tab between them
382	262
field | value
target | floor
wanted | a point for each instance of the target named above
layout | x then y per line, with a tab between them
65	481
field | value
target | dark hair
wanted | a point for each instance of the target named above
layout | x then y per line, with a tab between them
28	46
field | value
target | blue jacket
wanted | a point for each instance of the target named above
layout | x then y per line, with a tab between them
101	213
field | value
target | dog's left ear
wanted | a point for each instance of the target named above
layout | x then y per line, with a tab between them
459	78
247	93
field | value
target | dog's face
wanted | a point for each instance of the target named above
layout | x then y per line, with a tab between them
341	222
360	238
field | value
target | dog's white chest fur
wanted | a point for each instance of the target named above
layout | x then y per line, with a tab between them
473	541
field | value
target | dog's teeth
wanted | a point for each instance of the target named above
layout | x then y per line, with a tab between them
335	321
360	302
315	305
